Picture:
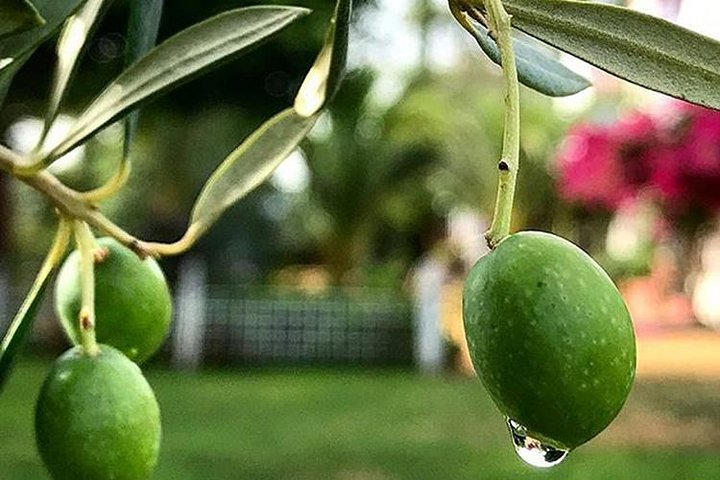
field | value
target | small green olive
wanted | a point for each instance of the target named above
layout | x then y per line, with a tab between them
133	306
97	418
550	337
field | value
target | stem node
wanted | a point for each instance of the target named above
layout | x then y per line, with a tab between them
87	247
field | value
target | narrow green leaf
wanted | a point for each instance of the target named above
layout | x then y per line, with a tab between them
176	61
642	49
54	12
141	38
73	39
535	69
20	326
326	74
250	164
16	50
17	16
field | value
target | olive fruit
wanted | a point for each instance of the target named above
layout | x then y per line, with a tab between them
133	306
550	337
97	418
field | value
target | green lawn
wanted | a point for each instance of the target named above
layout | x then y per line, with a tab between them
355	425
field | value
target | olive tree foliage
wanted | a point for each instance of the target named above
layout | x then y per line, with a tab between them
639	48
150	71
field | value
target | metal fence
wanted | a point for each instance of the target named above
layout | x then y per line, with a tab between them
270	326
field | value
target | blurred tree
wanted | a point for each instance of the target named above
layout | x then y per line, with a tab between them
360	184
379	176
183	135
460	115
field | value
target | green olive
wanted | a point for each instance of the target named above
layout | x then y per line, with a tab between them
97	418
133	306
550	337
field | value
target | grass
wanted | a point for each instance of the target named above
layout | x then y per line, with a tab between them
377	425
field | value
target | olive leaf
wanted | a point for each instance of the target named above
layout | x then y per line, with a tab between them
642	49
20	326
249	165
72	42
261	153
175	61
142	34
325	76
536	69
54	12
17	16
16	50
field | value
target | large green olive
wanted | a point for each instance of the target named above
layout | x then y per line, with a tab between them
97	418
550	337
133	306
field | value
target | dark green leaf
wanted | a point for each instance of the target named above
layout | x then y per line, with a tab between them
326	74
250	164
639	48
17	16
175	61
142	34
535	69
16	50
20	326
54	12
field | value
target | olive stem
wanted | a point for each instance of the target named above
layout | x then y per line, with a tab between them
500	30
86	245
458	11
9	159
113	185
189	238
81	206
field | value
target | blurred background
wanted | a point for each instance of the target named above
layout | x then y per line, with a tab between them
318	332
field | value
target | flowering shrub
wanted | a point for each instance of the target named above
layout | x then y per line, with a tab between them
674	159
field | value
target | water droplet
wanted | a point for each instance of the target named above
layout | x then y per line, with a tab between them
532	451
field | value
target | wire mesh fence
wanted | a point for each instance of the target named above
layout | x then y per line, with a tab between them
362	326
273	325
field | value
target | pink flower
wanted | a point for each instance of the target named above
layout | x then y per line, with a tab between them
687	173
678	161
606	166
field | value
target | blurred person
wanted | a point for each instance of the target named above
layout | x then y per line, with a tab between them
426	280
706	294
